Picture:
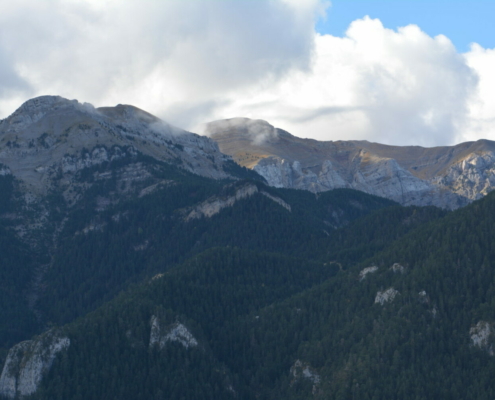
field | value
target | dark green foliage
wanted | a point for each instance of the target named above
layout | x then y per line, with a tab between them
17	266
6	190
207	293
373	233
260	286
101	253
255	314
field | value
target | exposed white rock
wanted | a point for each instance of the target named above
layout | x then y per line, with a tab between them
386	296
157	276
73	163
423	297
35	109
379	176
397	268
302	370
176	332
153	188
277	172
27	362
49	138
215	204
448	177
277	200
482	336
4	170
473	177
366	271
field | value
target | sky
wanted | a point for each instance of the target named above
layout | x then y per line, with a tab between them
396	72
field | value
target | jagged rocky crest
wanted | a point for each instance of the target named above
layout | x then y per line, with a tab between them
51	137
448	177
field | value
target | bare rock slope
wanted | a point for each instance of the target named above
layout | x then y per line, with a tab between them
50	138
27	362
448	177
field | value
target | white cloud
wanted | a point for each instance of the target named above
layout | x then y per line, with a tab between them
190	62
481	123
155	54
396	87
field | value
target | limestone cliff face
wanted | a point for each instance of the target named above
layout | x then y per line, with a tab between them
215	204
50	137
27	362
448	177
473	177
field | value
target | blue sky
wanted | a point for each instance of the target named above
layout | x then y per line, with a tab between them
463	22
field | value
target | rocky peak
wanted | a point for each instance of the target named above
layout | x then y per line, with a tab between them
38	138
257	131
447	177
35	109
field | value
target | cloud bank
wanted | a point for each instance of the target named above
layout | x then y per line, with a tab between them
190	62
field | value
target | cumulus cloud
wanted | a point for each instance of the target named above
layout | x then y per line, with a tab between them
190	62
481	122
155	54
396	87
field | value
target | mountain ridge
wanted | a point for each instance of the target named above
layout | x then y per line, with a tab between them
148	265
50	137
445	176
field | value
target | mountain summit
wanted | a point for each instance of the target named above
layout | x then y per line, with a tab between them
448	176
50	138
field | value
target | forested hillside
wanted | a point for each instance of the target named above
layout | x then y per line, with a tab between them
272	326
183	287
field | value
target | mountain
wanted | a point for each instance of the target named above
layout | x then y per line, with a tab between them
447	177
149	272
94	201
49	139
415	320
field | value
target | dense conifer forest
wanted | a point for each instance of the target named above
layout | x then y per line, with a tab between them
280	294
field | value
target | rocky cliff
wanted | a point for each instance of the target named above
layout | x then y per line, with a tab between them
27	362
50	138
448	177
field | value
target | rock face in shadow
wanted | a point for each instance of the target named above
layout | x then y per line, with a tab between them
27	362
447	177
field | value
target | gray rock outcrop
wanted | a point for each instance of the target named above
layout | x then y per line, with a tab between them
176	332
447	177
50	137
386	296
302	370
482	336
397	268
215	204
368	270
27	362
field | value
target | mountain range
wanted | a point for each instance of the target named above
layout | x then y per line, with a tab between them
447	177
142	261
